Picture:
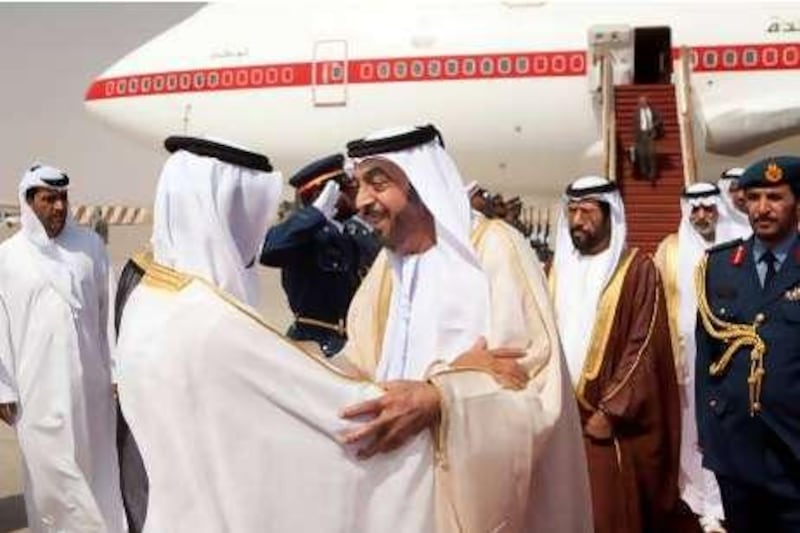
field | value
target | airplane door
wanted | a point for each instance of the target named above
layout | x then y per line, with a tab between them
652	55
329	75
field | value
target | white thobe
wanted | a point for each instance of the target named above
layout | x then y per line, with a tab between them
54	363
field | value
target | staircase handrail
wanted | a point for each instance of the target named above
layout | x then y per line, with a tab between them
609	121
683	96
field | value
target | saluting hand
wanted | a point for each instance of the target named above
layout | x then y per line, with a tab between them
406	408
500	362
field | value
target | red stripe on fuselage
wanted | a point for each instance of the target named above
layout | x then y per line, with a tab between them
779	56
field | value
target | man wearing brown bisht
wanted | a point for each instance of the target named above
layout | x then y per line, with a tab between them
613	324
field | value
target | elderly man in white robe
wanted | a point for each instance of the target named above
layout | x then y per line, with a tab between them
446	287
703	225
55	369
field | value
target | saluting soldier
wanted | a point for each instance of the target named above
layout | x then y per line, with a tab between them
323	250
748	356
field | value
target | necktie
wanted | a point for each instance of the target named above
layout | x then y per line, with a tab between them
768	258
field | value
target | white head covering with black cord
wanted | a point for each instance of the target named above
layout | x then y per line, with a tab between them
213	203
440	298
580	279
55	263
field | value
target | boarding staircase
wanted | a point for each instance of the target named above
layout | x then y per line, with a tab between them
652	208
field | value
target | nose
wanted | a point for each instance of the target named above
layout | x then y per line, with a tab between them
363	198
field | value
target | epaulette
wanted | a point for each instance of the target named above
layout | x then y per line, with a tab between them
727	245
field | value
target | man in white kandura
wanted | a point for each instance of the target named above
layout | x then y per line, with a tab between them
509	446
703	225
733	205
55	369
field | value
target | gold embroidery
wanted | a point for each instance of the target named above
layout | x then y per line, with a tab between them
606	313
734	336
160	276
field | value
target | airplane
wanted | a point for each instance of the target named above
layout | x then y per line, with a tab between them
513	85
87	215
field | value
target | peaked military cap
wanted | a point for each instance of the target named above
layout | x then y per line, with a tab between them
315	173
773	171
218	150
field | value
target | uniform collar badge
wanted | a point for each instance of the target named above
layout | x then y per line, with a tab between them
737	256
773	173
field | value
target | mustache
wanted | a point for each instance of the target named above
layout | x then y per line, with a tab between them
372	211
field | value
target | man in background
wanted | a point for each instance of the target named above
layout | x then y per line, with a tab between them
55	368
323	252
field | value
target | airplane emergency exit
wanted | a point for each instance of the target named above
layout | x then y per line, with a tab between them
514	85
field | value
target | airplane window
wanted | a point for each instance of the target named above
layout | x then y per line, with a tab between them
272	76
469	67
158	83
559	64
522	65
729	58
790	56
227	79
434	68
121	86
695	59
452	67
750	57
133	85
383	70
287	75
146	84
185	81
504	65
710	58
337	72
256	76
487	66
241	78
213	79
577	63
540	64
770	57
367	71
110	88
417	69
400	69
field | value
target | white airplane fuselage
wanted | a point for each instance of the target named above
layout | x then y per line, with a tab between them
510	85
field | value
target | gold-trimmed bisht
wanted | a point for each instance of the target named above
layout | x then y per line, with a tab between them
735	336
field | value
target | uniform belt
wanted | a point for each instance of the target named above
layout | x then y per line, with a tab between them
337	327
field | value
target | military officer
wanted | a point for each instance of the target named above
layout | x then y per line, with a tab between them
323	250
748	356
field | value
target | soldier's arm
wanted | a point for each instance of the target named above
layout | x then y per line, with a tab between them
285	243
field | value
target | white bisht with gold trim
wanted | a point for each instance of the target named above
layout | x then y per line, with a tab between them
506	460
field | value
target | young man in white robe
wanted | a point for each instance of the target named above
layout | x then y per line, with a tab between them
703	225
55	369
733	206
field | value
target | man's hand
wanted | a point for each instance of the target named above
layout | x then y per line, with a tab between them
8	413
598	427
406	408
327	199
499	362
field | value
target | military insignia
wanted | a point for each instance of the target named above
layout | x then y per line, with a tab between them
737	256
773	173
792	295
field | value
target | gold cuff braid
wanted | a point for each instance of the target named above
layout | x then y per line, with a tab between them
735	336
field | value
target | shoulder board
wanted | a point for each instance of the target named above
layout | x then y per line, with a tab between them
725	246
